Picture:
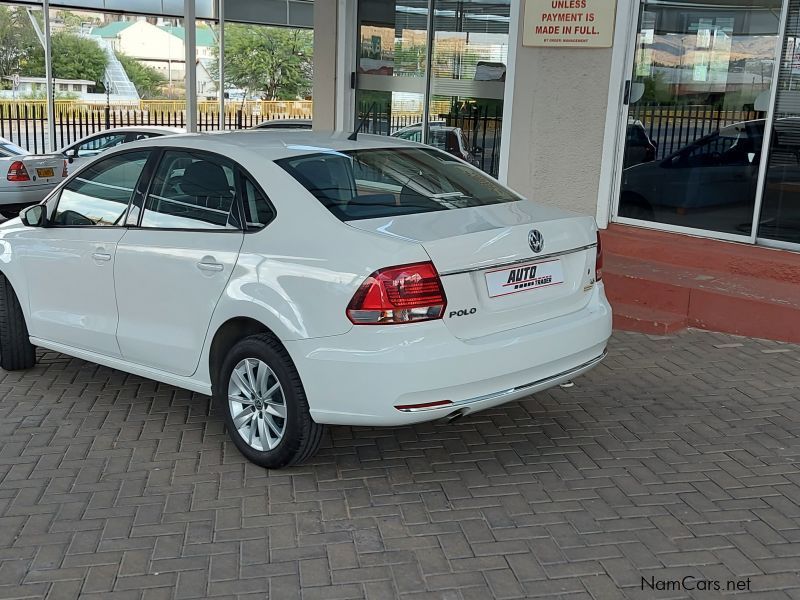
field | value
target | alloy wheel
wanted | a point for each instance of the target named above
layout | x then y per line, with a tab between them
257	404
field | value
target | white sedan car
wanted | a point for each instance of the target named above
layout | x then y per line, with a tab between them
26	178
304	279
86	148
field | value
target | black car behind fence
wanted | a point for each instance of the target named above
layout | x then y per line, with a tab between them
674	127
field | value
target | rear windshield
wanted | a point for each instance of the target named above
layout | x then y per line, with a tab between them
9	149
367	184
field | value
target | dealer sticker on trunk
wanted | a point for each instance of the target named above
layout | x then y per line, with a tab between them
523	278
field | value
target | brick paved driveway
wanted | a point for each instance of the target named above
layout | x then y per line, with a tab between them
678	456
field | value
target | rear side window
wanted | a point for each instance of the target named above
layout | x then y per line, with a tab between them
191	190
257	209
373	183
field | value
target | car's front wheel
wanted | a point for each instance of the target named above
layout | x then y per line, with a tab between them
264	405
16	350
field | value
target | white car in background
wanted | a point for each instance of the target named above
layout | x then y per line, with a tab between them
304	279
26	178
81	151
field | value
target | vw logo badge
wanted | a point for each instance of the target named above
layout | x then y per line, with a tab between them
536	240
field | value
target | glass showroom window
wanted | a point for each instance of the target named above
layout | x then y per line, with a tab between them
437	78
699	97
470	57
779	219
392	64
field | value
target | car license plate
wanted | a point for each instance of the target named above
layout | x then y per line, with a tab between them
523	278
48	172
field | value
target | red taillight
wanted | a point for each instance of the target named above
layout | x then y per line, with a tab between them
64	170
394	295
18	172
598	262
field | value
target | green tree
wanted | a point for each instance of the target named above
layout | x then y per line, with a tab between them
148	81
73	22
18	41
74	57
274	62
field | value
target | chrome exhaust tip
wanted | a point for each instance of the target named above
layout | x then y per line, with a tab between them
453	416
566	384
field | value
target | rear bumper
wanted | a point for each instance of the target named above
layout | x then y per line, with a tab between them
361	377
26	196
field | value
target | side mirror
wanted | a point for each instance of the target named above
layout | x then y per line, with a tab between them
71	154
34	216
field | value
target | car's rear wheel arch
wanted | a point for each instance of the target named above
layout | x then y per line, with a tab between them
227	335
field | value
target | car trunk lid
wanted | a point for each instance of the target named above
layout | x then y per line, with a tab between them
493	279
44	168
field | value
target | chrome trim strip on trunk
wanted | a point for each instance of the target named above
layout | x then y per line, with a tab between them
511	263
514	390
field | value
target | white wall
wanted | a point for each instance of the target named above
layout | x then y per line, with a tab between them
557	125
325	48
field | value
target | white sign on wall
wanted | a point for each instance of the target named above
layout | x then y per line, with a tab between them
569	23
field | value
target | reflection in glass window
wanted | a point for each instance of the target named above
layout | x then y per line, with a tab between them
780	207
699	90
99	195
366	184
191	191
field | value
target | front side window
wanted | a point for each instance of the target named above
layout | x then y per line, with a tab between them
100	194
381	182
99	144
192	190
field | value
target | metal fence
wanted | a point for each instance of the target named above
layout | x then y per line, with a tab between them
674	127
28	127
25	122
481	128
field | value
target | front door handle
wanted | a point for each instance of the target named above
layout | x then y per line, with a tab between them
210	266
103	256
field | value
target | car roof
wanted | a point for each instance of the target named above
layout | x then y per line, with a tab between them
130	128
278	123
273	144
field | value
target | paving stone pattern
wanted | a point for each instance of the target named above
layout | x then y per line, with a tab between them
678	456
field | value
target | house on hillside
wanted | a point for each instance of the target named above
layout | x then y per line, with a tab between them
160	47
37	86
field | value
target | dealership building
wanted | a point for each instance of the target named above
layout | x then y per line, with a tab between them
675	123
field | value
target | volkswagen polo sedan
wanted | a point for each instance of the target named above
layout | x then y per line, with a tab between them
304	279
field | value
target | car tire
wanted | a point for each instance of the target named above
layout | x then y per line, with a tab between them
251	369
16	350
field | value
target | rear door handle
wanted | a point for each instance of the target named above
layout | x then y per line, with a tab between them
210	266
104	256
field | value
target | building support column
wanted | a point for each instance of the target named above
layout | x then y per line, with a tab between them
190	47
346	44
50	84
325	55
221	66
